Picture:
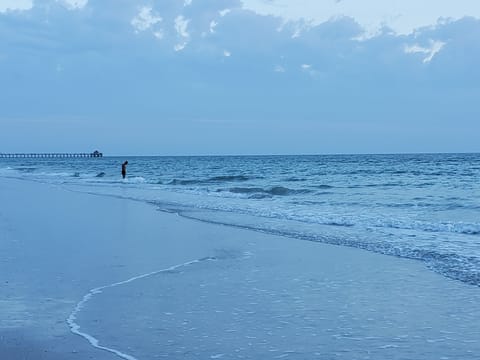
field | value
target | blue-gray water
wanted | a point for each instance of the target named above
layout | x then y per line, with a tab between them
421	206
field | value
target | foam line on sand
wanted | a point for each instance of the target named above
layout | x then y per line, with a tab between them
75	328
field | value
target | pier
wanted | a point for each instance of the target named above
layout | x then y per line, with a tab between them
95	154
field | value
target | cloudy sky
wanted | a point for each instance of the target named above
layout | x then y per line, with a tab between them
173	77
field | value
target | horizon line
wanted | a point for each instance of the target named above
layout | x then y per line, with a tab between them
300	154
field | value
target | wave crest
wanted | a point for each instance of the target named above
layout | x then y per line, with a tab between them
212	180
273	191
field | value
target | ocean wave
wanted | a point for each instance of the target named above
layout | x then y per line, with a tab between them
448	227
135	180
25	169
387	184
6	170
275	191
465	228
182	182
295	179
55	174
230	178
211	180
322	186
415	173
424	184
339	223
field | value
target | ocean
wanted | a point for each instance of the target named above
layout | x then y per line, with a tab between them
418	206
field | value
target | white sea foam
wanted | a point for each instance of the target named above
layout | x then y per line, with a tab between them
136	180
75	327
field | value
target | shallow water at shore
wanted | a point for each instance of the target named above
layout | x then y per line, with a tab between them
420	206
244	305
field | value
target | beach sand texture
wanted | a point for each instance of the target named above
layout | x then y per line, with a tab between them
77	269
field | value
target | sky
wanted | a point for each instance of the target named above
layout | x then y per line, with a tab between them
208	77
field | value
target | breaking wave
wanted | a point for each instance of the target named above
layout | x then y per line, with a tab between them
211	180
273	191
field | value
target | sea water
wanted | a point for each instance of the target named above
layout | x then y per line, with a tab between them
420	206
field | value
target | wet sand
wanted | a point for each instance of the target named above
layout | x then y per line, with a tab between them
161	286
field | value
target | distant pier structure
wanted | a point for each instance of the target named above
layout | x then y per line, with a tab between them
95	154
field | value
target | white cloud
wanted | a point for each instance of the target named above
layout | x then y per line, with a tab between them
430	52
213	25
224	12
403	17
74	4
180	46
187	3
181	25
296	27
145	19
279	69
12	5
296	33
227	53
158	34
308	68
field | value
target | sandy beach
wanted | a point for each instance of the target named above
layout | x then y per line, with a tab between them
93	277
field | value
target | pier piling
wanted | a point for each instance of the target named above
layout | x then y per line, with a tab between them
51	155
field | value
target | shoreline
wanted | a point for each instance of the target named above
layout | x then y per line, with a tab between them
61	244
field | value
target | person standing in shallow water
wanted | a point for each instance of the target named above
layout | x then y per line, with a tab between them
124	169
